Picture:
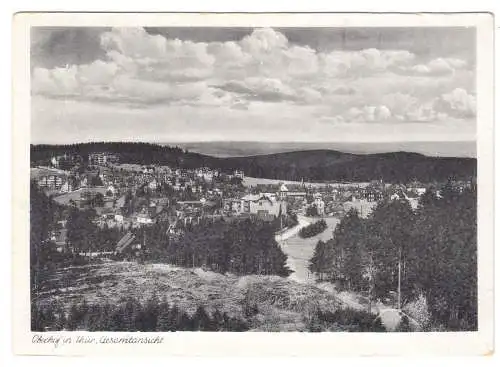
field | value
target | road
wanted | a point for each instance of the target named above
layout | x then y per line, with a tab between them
300	250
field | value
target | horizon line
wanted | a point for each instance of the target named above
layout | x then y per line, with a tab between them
254	141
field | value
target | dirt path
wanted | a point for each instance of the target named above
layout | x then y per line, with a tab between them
300	250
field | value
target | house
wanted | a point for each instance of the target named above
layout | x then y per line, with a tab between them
371	194
239	174
100	159
51	182
319	203
148	169
263	203
283	192
153	185
110	190
205	173
232	205
144	219
296	194
60	239
67	186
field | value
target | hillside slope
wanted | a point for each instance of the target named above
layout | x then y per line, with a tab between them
283	305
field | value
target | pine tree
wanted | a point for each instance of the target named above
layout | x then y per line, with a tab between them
218	320
201	321
150	314
165	319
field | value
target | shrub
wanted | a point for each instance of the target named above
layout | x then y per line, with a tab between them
313	229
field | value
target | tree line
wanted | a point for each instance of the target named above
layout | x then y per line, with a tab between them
429	253
131	315
238	247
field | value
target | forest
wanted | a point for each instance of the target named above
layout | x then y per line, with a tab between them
131	315
433	252
310	165
155	315
239	247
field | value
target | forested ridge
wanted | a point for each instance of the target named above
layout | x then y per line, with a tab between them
313	165
434	248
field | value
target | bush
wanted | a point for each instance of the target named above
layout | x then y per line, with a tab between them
419	311
313	229
346	319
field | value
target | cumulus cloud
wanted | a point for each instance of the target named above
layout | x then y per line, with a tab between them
439	66
144	69
368	114
458	103
348	63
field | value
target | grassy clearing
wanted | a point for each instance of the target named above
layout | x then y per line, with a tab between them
278	304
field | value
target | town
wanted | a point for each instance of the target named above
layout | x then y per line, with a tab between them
128	196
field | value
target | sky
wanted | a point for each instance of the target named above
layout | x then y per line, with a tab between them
245	84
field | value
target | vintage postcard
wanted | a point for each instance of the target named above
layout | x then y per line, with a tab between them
253	184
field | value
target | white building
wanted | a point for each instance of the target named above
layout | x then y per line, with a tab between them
239	174
144	218
319	203
263	204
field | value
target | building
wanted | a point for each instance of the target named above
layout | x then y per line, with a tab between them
206	174
65	161
51	182
232	205
239	174
319	203
100	159
371	194
67	186
283	192
153	184
144	218
111	190
263	204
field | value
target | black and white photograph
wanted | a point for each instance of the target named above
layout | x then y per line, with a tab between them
315	179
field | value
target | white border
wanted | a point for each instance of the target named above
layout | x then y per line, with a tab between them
262	344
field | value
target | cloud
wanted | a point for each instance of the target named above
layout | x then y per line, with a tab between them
270	90
368	114
439	66
369	61
458	103
139	68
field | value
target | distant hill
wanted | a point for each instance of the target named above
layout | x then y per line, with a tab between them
313	165
225	149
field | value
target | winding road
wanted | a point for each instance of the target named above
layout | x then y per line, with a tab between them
300	250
